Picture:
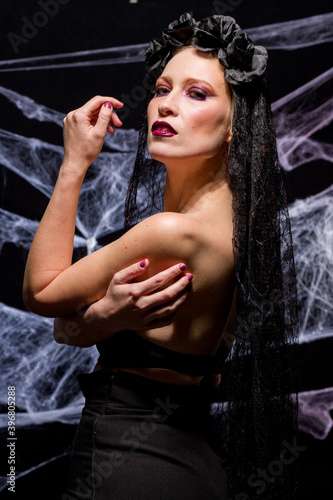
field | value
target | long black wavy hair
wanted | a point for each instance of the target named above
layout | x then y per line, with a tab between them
255	408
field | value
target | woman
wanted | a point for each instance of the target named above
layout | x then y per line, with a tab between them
209	123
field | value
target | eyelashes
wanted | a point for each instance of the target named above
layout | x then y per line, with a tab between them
197	94
161	91
194	93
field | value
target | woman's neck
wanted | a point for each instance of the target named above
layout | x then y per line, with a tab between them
186	187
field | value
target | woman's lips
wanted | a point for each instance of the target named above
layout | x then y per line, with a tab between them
163	129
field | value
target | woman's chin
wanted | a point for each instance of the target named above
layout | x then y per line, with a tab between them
158	154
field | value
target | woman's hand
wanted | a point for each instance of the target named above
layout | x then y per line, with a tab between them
142	305
85	130
127	305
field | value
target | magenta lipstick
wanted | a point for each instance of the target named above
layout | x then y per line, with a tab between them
163	129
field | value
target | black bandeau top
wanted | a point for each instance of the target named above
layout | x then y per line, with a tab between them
127	349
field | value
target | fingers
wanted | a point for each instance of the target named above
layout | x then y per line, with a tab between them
129	273
169	294
116	120
160	279
100	109
146	287
94	104
106	116
158	308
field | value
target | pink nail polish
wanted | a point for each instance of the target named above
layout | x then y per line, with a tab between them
182	267
189	277
108	104
143	263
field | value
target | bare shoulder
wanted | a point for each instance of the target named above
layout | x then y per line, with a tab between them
203	245
169	233
179	236
171	222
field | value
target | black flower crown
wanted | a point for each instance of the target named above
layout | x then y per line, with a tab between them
242	61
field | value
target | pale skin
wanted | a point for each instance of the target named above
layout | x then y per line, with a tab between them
195	228
127	306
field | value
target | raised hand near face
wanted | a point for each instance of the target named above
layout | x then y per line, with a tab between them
85	129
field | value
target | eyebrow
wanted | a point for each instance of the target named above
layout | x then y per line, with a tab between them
187	81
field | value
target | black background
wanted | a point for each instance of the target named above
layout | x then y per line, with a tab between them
89	25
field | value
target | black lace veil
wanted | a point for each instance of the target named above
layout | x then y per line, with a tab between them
257	420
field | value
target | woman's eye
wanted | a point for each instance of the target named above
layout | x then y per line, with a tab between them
160	91
199	95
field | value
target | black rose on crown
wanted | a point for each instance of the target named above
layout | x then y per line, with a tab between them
242	61
179	33
214	33
241	49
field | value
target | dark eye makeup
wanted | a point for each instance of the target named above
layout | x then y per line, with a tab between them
197	94
194	92
160	90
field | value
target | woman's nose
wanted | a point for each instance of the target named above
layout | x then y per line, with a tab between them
168	105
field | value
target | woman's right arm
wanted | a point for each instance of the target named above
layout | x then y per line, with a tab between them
52	248
55	287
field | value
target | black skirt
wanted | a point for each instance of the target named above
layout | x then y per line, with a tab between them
142	439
